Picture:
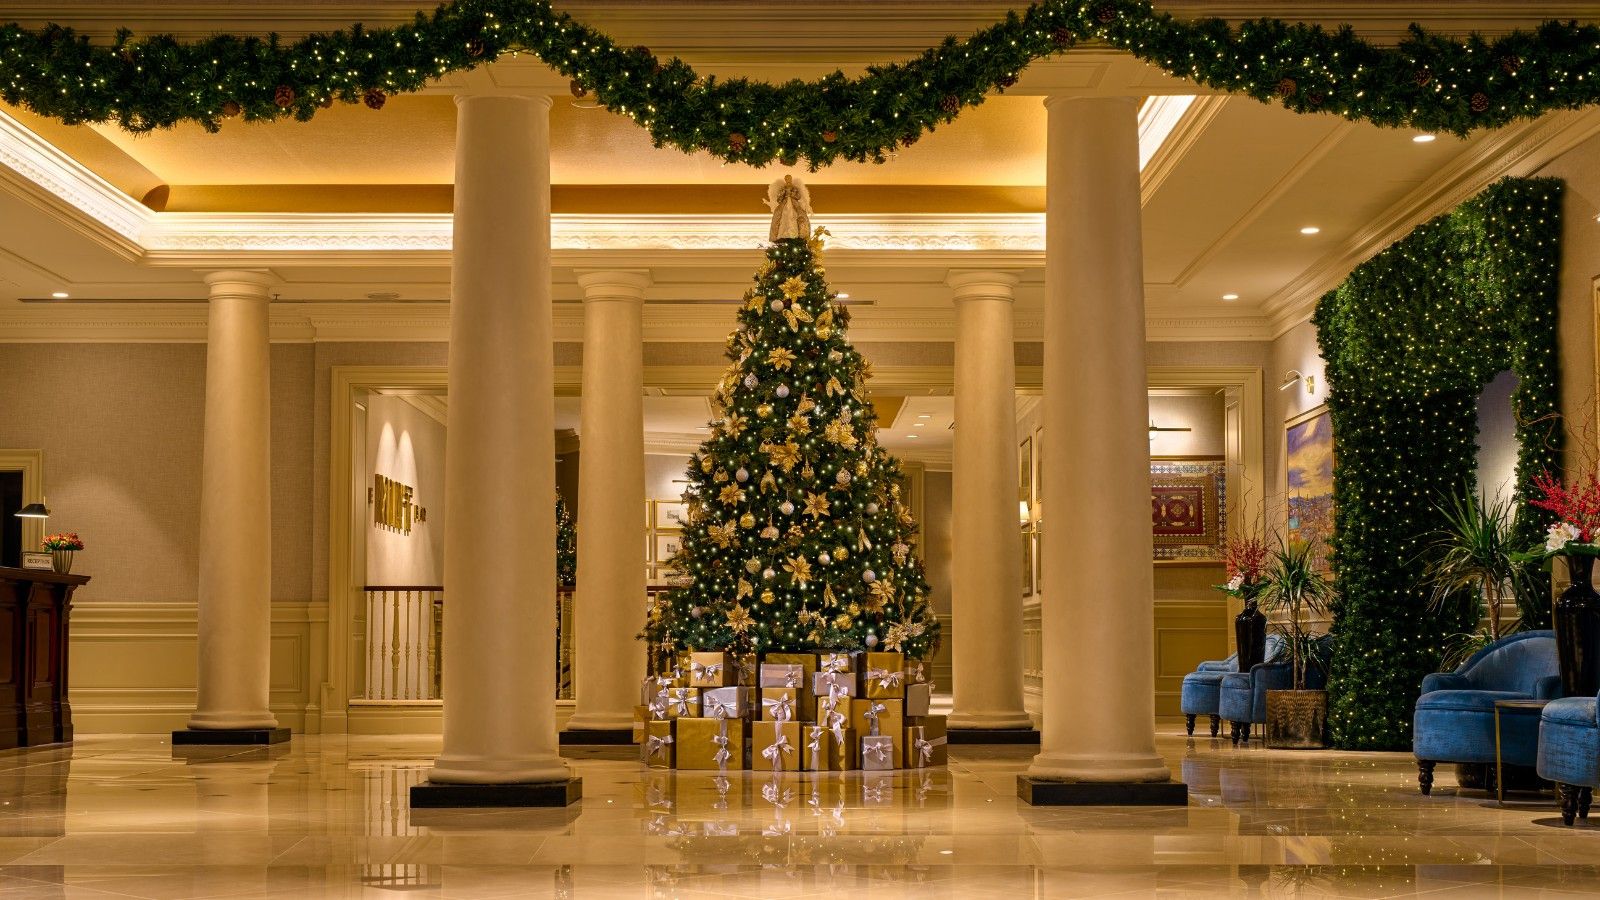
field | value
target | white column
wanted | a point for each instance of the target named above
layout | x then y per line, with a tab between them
985	588
499	559
1099	693
609	606
235	590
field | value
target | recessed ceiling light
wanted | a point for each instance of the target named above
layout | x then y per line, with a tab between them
918	424
911	436
1424	139
1230	296
842	295
60	295
1310	229
925	416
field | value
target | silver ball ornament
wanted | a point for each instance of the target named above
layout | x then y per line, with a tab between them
776	305
824	557
786	508
751	381
768	574
742	475
782	391
869	576
843	477
872	640
872	508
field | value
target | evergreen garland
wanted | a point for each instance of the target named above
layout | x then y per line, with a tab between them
1427	82
1410	340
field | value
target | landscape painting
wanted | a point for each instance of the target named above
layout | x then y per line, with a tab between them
1308	476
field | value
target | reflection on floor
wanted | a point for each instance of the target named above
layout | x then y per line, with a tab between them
121	817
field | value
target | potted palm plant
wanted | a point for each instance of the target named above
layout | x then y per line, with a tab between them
1471	567
1294	592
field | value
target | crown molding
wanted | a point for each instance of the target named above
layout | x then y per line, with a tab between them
1520	149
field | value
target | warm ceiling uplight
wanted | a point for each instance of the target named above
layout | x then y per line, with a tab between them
1310	229
1230	297
911	437
925	416
842	295
1424	139
60	295
918	424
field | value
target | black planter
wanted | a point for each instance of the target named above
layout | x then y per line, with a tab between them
1250	635
1578	631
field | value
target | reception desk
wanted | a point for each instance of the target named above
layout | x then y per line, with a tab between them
34	610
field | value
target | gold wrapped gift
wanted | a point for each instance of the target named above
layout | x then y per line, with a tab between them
657	749
918	672
711	670
714	744
884	676
829	750
680	702
641	715
745	670
926	745
775	746
846	683
880	752
919	699
780	704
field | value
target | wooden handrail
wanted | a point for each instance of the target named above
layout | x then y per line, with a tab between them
403	587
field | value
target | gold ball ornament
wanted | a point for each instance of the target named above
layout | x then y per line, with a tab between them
747	521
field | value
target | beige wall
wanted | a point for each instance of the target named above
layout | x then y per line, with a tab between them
1580	266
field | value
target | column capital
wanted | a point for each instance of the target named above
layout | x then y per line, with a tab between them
982	284
1053	99
543	99
242	283
613	284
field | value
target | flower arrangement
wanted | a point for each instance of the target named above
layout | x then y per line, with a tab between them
1243	559
1577	511
66	540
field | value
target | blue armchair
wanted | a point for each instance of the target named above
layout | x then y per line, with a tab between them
1202	688
1569	753
1243	700
1454	718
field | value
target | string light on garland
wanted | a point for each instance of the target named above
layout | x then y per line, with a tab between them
1410	341
1426	82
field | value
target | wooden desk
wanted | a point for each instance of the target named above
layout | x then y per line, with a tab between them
34	611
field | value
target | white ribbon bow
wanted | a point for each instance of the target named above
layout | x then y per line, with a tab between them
780	708
775	751
717	708
658	707
885	678
720	741
926	747
656	745
701	672
835	663
679	702
880	750
814	741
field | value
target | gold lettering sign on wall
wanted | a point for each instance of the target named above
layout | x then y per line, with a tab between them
392	507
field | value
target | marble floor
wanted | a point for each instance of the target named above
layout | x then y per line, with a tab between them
117	817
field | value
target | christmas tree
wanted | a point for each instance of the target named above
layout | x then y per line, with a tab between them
566	545
798	536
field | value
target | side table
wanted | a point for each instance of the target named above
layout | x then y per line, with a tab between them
1533	706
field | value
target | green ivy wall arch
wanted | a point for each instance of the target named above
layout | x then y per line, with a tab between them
1410	340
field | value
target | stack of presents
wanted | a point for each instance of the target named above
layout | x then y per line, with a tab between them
791	712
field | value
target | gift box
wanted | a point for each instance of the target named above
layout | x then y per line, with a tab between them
874	717
657	749
837	663
823	682
880	752
641	715
926	745
711	669
716	744
919	697
829	750
780	704
680	702
775	746
781	675
884	676
724	702
653	687
917	672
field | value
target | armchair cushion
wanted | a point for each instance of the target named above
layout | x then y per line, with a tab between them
1569	742
1445	681
1219	665
1454	717
1201	693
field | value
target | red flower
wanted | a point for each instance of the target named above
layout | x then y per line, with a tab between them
1578	506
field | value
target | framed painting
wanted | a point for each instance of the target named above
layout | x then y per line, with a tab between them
671	514
1027	563
1188	514
1308	478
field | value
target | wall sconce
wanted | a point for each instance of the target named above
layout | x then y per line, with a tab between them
1154	428
1295	376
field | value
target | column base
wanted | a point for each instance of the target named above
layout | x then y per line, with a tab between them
1039	792
595	737
993	736
195	737
431	795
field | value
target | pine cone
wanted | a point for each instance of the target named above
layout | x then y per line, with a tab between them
231	108
375	98
1423	77
283	97
1479	102
475	47
577	89
829	137
1061	37
1287	87
1007	80
737	142
1107	13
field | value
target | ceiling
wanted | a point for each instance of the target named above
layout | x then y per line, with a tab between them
1228	185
